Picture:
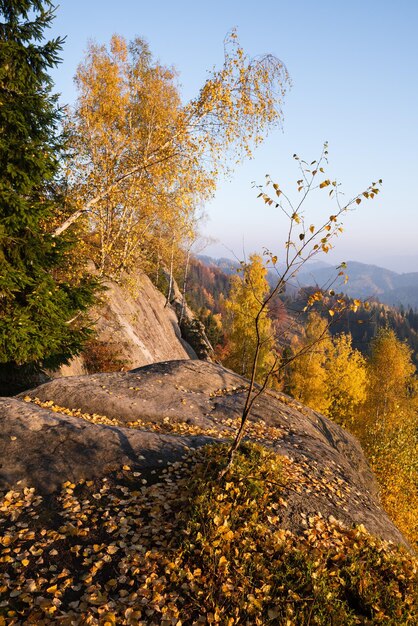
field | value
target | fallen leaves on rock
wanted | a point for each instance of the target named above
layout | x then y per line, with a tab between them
222	428
190	549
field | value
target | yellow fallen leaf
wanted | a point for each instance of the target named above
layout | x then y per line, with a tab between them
223	561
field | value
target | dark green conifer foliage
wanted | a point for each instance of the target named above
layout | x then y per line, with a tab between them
37	303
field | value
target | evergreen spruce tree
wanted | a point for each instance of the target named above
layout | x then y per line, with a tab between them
37	303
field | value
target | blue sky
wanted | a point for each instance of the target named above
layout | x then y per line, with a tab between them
354	68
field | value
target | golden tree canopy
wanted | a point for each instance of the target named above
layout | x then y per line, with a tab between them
241	308
307	376
346	380
390	372
142	160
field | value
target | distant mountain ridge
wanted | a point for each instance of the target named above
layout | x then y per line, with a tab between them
365	281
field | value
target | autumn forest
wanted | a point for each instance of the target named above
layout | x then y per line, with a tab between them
114	187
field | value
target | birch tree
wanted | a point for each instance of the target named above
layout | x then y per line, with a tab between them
142	160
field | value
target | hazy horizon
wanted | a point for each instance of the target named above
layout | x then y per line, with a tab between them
400	264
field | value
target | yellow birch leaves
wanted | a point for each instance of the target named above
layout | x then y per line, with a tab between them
143	161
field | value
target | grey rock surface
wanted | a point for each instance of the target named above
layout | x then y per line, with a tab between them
135	325
41	448
161	410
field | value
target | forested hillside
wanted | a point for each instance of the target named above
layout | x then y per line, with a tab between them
208	285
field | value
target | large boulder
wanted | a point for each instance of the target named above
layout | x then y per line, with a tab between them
85	427
134	325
